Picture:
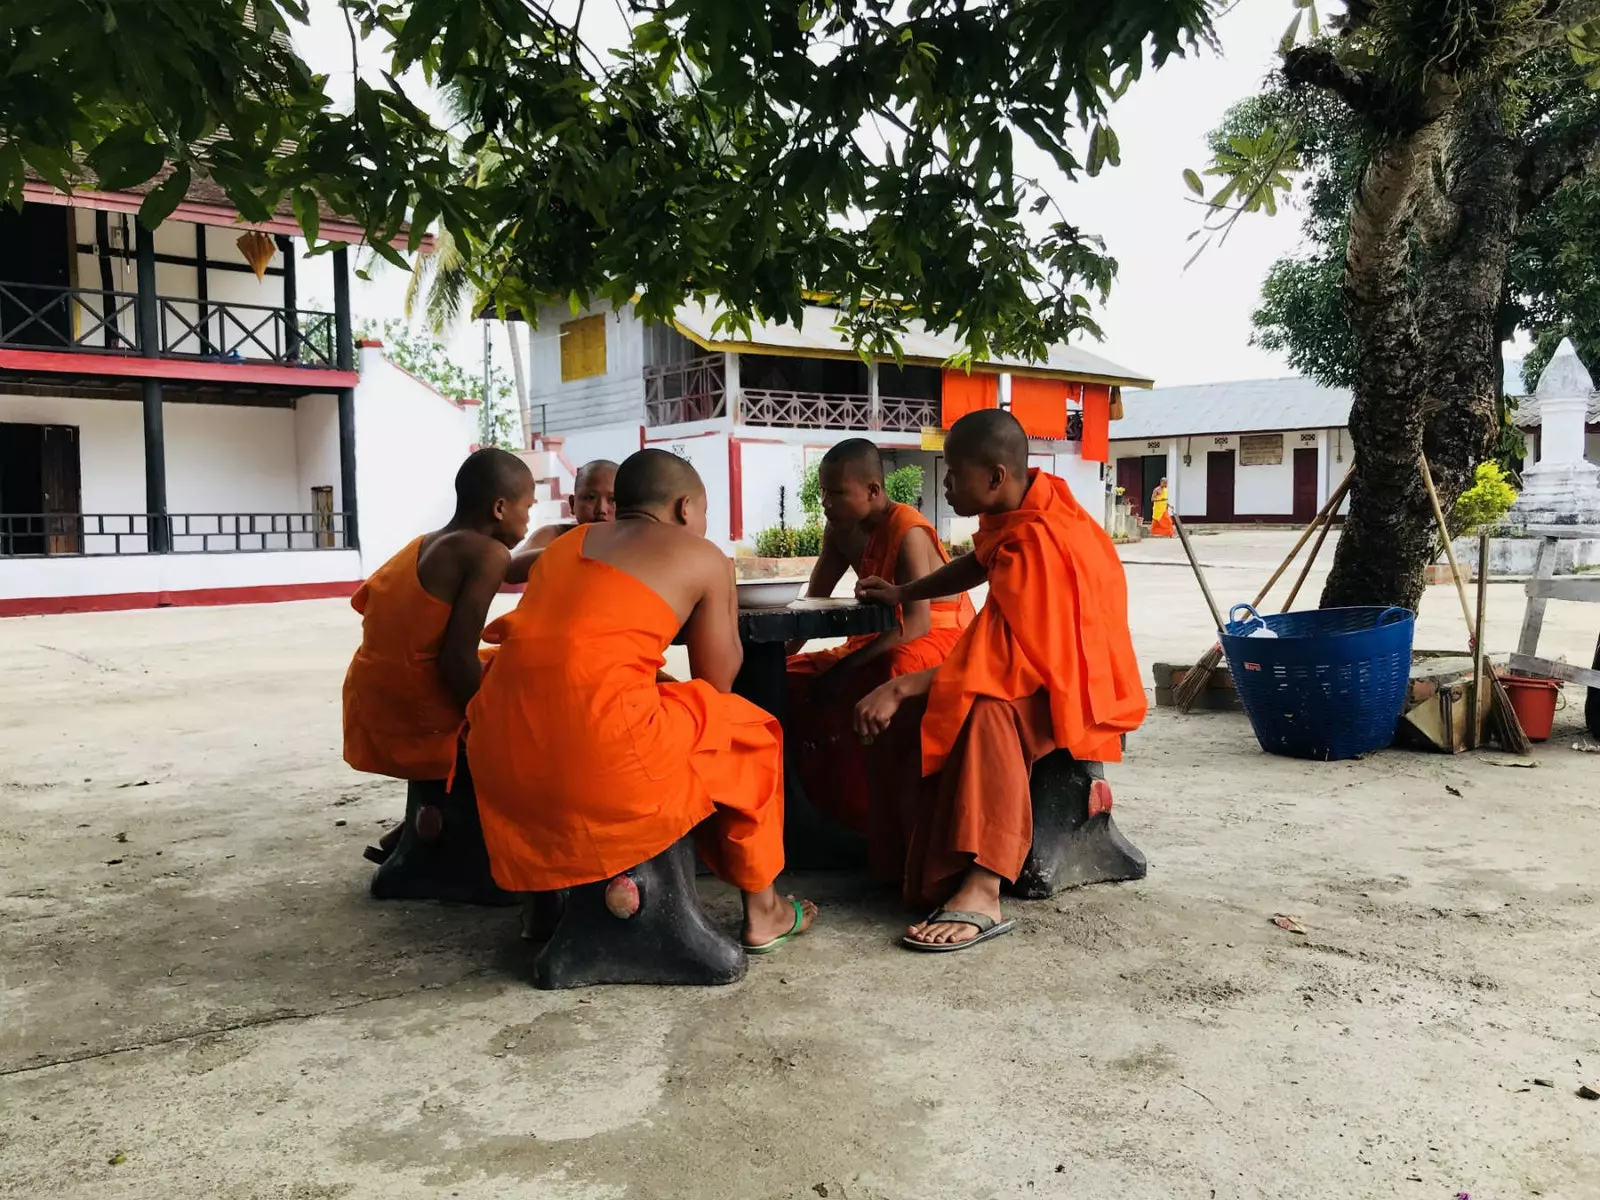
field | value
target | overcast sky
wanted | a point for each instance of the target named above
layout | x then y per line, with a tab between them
1178	326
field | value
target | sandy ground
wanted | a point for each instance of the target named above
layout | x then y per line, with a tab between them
197	999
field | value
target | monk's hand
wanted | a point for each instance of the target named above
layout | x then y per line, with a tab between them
877	709
873	590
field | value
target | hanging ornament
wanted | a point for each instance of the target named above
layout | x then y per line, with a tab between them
258	250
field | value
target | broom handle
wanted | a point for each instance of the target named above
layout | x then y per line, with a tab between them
1311	559
1480	706
1183	536
1328	509
1449	552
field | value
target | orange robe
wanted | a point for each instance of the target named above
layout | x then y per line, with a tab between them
1048	664
830	759
585	766
399	717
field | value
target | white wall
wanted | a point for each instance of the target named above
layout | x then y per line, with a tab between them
25	578
614	442
765	468
1257	490
615	398
708	454
316	448
231	459
410	441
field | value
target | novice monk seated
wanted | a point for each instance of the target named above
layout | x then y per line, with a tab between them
586	766
1048	664
406	693
875	536
594	498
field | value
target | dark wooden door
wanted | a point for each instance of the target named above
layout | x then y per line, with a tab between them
21	489
1219	485
1130	478
60	484
36	241
1155	470
1305	485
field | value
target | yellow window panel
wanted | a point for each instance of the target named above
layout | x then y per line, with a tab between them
583	348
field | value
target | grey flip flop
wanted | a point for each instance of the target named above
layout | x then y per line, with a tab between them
986	926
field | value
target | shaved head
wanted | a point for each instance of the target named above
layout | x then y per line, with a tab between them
489	475
654	479
593	471
858	457
989	438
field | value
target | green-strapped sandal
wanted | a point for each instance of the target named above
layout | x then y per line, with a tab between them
794	932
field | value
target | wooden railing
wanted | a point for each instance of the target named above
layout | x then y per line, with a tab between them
38	535
834	410
688	391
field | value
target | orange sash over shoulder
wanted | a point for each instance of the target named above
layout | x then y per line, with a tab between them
881	558
1056	619
399	717
586	765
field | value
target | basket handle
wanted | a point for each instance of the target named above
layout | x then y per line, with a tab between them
1383	617
1233	618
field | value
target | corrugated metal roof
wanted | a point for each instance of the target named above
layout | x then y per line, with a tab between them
1244	406
1527	415
816	335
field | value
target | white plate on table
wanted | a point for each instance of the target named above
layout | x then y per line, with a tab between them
769	593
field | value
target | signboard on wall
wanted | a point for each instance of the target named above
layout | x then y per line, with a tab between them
932	439
1260	449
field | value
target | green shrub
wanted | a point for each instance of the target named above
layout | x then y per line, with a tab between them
1486	502
779	542
905	485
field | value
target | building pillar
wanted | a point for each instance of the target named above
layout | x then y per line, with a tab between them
147	317
343	341
874	400
291	314
731	387
345	360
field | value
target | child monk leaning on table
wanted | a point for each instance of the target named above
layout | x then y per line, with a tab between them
422	614
1048	664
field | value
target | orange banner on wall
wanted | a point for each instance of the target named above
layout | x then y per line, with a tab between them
963	393
1041	406
1096	444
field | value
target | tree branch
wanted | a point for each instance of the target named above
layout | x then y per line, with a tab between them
1315	66
1562	152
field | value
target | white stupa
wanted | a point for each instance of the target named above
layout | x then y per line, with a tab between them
1562	488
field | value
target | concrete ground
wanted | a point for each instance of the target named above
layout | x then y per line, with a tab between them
198	1000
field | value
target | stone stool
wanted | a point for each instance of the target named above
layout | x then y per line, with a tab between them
642	926
1075	841
441	855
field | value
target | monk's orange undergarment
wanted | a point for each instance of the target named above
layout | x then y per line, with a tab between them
399	717
585	765
829	758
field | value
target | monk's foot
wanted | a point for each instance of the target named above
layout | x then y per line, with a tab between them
769	916
979	893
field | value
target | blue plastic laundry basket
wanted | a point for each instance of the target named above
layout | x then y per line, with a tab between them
1330	685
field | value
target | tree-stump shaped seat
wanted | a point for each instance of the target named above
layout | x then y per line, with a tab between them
642	926
441	854
1075	841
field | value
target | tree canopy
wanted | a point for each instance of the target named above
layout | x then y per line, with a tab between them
862	149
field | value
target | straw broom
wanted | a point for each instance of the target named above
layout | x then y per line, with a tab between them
1508	730
1199	675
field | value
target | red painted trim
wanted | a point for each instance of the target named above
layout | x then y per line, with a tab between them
689	437
735	490
131	367
641	437
204	214
369	344
270	593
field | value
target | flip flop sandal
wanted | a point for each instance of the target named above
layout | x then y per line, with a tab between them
986	926
794	932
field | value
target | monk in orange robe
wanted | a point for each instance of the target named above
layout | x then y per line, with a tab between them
422	613
873	535
585	765
594	498
1048	664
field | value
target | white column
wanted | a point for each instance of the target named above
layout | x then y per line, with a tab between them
730	385
874	400
1172	475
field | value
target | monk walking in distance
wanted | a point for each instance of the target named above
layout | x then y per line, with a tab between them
585	764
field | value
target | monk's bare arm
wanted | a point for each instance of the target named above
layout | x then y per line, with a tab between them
830	566
525	555
711	633
917	558
878	707
483	569
957	576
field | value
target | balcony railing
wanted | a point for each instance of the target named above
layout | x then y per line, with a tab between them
54	535
835	410
91	320
688	391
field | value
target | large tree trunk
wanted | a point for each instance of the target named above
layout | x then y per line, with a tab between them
1429	347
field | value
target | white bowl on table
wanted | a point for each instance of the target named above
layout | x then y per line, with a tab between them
769	593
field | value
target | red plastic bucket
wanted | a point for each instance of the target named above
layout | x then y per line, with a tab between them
1534	702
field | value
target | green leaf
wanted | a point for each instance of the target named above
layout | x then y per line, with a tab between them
1192	182
1286	42
158	205
124	159
307	212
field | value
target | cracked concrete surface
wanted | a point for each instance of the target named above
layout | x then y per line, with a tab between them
210	1006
